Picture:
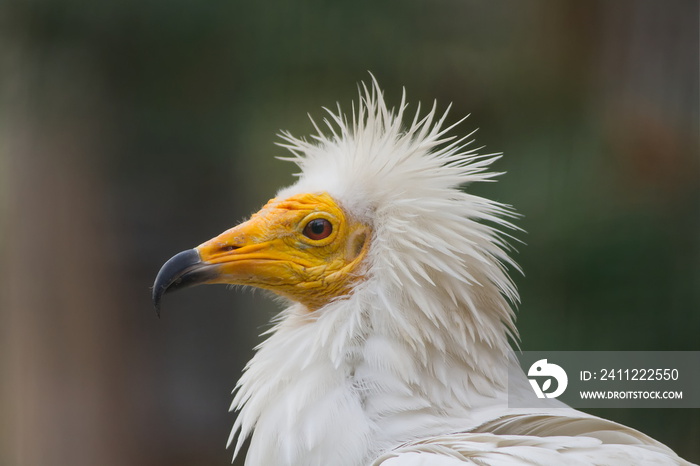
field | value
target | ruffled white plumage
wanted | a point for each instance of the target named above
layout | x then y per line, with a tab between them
418	352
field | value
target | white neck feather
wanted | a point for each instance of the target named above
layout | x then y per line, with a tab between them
345	383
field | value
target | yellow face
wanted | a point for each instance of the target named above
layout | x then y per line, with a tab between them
303	248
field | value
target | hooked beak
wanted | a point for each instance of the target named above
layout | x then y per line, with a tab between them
251	253
183	270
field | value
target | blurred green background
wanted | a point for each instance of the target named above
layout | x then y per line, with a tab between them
131	130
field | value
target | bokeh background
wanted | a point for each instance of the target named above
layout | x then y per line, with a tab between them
131	130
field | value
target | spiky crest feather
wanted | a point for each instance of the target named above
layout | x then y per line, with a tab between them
405	182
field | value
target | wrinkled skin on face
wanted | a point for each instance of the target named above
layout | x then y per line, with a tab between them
303	248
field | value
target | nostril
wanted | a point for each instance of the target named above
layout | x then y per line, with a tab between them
228	248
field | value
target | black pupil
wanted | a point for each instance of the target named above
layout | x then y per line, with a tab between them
318	229
317	226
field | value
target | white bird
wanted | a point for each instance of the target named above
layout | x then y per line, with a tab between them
394	347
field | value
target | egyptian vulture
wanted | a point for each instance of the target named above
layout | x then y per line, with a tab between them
393	349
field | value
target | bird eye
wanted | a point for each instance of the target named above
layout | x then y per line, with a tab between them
318	228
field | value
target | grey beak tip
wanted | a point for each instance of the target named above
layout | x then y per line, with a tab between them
178	272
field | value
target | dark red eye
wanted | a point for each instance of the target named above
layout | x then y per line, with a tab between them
318	228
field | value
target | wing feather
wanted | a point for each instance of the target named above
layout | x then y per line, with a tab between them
536	440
